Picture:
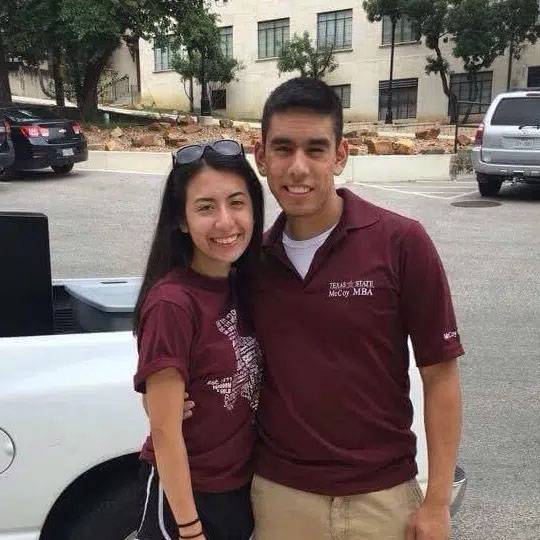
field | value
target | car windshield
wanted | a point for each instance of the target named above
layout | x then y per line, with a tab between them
523	111
20	114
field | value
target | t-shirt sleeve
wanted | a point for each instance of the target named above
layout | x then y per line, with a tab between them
164	341
426	302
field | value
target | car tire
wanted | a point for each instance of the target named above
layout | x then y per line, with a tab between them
488	185
62	169
115	515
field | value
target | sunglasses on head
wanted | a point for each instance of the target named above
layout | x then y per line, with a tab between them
194	152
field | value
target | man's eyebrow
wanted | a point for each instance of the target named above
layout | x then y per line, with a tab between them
321	141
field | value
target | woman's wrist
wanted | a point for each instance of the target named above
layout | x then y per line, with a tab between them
190	530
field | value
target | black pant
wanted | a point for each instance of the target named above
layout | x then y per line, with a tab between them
224	516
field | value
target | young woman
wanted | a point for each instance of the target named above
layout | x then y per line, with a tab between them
193	337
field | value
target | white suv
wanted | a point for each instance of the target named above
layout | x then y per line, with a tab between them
507	144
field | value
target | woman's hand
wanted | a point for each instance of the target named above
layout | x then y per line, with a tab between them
188	407
191	532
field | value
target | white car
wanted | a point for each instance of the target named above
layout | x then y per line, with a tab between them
71	426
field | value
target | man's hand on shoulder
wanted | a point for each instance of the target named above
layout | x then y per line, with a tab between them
430	522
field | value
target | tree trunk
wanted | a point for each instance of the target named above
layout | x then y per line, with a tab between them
58	78
191	98
389	115
446	87
473	95
5	89
87	94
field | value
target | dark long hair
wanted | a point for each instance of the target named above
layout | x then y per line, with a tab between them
172	248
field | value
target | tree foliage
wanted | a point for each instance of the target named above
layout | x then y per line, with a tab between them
299	54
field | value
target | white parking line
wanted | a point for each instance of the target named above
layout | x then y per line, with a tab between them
445	191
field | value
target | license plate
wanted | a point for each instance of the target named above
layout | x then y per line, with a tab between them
67	151
524	144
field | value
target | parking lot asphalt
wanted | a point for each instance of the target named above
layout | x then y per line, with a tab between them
101	225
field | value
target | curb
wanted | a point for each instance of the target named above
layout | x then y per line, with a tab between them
368	168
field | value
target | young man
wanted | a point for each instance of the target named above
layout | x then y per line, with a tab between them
343	285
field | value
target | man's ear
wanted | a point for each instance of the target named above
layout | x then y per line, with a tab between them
260	157
342	154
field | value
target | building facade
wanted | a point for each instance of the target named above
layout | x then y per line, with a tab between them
252	32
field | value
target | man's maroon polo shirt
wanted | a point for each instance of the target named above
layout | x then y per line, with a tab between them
335	414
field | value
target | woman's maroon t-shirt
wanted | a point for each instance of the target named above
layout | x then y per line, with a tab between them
190	322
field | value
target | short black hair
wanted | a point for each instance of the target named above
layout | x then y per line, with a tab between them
308	94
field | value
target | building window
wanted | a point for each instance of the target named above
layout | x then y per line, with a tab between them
163	57
272	36
405	31
334	29
344	94
533	77
404	98
219	99
226	36
467	89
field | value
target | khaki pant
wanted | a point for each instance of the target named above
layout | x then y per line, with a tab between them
283	513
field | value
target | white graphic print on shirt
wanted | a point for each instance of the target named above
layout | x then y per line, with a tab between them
247	379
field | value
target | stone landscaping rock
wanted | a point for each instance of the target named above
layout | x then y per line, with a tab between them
357	141
464	140
428	134
354	151
143	140
117	132
404	147
193	128
226	123
185	120
352	134
367	133
380	147
139	106
249	148
433	151
155	126
174	139
243	128
111	146
96	146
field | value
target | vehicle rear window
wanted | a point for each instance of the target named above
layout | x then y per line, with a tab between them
523	111
28	113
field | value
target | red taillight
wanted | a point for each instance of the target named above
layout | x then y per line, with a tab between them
479	137
34	131
77	129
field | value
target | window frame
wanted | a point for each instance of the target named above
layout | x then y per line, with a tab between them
221	90
347	31
341	87
271	27
226	41
486	77
403	91
166	52
400	31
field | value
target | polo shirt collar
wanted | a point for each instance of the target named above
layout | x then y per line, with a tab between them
357	214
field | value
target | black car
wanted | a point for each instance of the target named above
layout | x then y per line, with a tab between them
7	154
42	140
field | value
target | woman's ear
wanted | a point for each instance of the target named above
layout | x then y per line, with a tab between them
184	228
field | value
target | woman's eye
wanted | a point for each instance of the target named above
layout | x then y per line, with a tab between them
205	208
238	203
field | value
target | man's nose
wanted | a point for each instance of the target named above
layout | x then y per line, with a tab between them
299	167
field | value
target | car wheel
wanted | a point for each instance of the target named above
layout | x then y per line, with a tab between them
488	185
114	515
62	169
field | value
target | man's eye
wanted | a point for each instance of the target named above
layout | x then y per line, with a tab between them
205	208
282	149
316	150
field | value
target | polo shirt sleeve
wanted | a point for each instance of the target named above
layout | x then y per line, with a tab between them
165	339
426	303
